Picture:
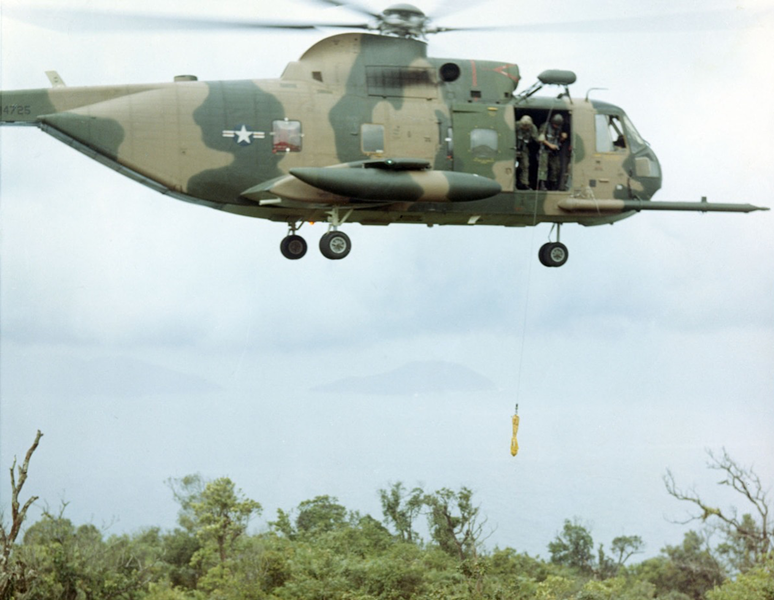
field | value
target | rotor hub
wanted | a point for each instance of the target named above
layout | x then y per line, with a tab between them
404	20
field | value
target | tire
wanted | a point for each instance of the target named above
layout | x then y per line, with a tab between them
554	254
335	245
542	254
293	247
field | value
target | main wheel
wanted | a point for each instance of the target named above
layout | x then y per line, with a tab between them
335	245
553	254
542	255
293	247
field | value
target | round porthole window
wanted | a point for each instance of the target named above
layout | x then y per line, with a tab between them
450	72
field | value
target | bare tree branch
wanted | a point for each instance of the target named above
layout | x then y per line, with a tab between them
748	534
9	574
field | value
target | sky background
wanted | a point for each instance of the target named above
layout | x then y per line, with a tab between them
149	339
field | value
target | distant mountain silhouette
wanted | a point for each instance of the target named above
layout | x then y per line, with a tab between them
106	376
420	377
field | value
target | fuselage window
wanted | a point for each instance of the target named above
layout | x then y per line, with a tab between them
483	143
372	138
286	136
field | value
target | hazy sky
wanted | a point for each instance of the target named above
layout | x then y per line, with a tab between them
149	338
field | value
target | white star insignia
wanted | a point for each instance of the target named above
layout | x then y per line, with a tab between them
243	136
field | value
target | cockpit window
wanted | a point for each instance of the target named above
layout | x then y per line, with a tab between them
610	134
634	136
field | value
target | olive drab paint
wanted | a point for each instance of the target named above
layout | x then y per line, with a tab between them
362	128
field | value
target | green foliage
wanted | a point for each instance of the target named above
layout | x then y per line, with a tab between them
164	591
219	515
625	546
689	568
573	547
320	515
179	547
555	587
401	509
509	563
187	491
335	554
743	544
282	525
322	551
454	523
617	588
755	584
76	562
605	566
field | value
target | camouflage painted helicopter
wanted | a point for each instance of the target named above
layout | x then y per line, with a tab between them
366	128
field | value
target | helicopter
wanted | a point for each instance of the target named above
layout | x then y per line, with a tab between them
366	128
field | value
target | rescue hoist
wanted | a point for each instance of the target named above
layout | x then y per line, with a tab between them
514	442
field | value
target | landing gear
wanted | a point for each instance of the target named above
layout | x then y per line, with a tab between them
335	245
553	254
293	247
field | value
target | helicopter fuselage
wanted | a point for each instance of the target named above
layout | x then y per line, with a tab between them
362	125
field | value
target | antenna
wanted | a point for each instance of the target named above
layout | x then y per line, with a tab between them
591	90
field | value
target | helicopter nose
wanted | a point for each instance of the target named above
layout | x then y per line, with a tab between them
648	171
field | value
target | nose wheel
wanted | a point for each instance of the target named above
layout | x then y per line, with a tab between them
553	254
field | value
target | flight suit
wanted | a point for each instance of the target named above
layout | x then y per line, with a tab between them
550	166
524	136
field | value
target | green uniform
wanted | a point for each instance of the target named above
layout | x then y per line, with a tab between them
550	160
524	136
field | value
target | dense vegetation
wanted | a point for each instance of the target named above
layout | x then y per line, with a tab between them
321	550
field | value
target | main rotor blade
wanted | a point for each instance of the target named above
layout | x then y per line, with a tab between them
709	20
353	6
79	20
449	7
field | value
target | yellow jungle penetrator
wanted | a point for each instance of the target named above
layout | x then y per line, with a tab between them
514	442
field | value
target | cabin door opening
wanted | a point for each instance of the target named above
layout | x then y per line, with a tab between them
544	154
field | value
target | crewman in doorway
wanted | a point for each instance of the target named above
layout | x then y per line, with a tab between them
526	133
552	136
